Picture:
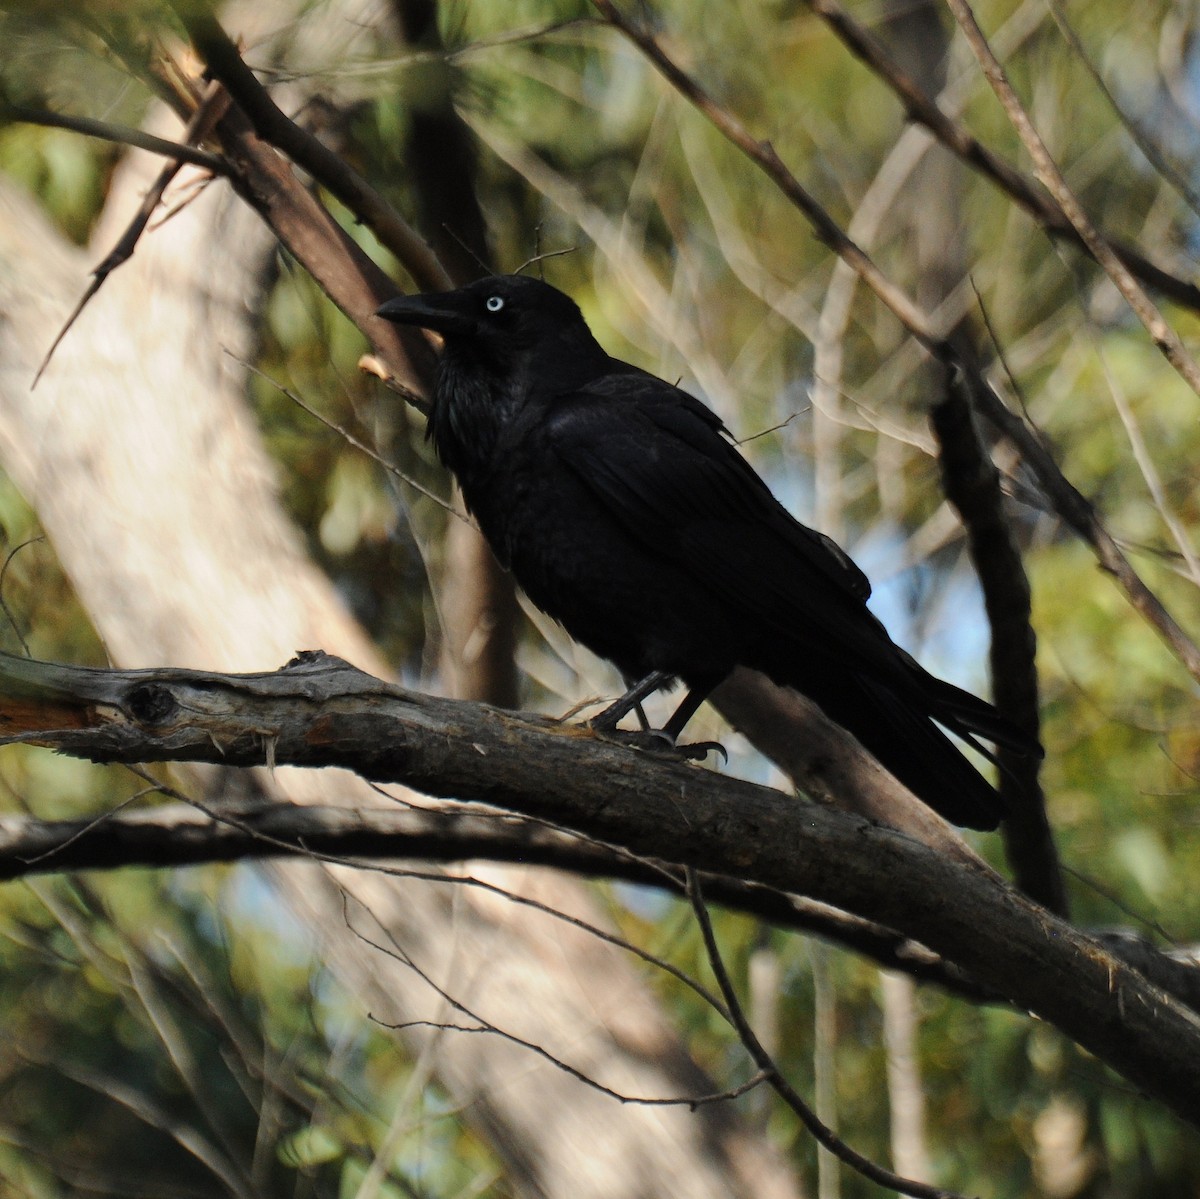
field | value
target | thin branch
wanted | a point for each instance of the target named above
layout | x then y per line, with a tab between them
209	111
153	1115
764	156
1074	508
1141	137
1161	332
1149	470
823	1135
481	1025
339	837
952	134
689	1101
349	437
8	615
125	135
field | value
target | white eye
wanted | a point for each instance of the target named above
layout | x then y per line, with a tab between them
494	303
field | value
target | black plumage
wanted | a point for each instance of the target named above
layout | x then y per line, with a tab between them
625	512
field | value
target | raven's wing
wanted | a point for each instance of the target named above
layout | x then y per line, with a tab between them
660	463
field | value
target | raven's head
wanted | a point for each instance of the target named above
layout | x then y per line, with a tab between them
502	322
508	341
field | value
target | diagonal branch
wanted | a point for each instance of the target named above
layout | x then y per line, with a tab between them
820	1132
208	112
972	484
224	63
1144	308
183	834
124	135
1079	513
921	108
765	157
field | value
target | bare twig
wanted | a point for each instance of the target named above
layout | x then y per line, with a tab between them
204	119
350	278
1140	135
1144	308
764	156
952	134
8	614
124	135
339	837
349	437
690	1101
481	1025
1149	471
774	1077
1081	516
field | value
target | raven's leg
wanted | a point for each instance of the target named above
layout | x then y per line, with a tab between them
686	710
666	738
607	720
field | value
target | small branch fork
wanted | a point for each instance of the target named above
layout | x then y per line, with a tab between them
249	132
209	111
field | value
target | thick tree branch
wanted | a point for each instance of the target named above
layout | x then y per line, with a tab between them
340	268
320	712
224	63
183	834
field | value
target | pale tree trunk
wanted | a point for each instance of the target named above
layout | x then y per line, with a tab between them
910	1153
150	479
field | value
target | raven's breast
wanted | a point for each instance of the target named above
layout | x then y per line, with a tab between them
608	588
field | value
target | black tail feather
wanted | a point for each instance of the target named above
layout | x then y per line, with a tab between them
970	717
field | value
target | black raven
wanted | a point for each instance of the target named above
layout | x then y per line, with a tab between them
625	512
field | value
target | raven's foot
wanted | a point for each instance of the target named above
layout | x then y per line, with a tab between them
657	741
631	701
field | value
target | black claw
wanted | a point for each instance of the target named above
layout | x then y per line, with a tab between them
699	750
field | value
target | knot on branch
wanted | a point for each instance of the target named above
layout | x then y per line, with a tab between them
150	703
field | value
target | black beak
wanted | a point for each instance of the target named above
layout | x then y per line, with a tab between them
437	311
